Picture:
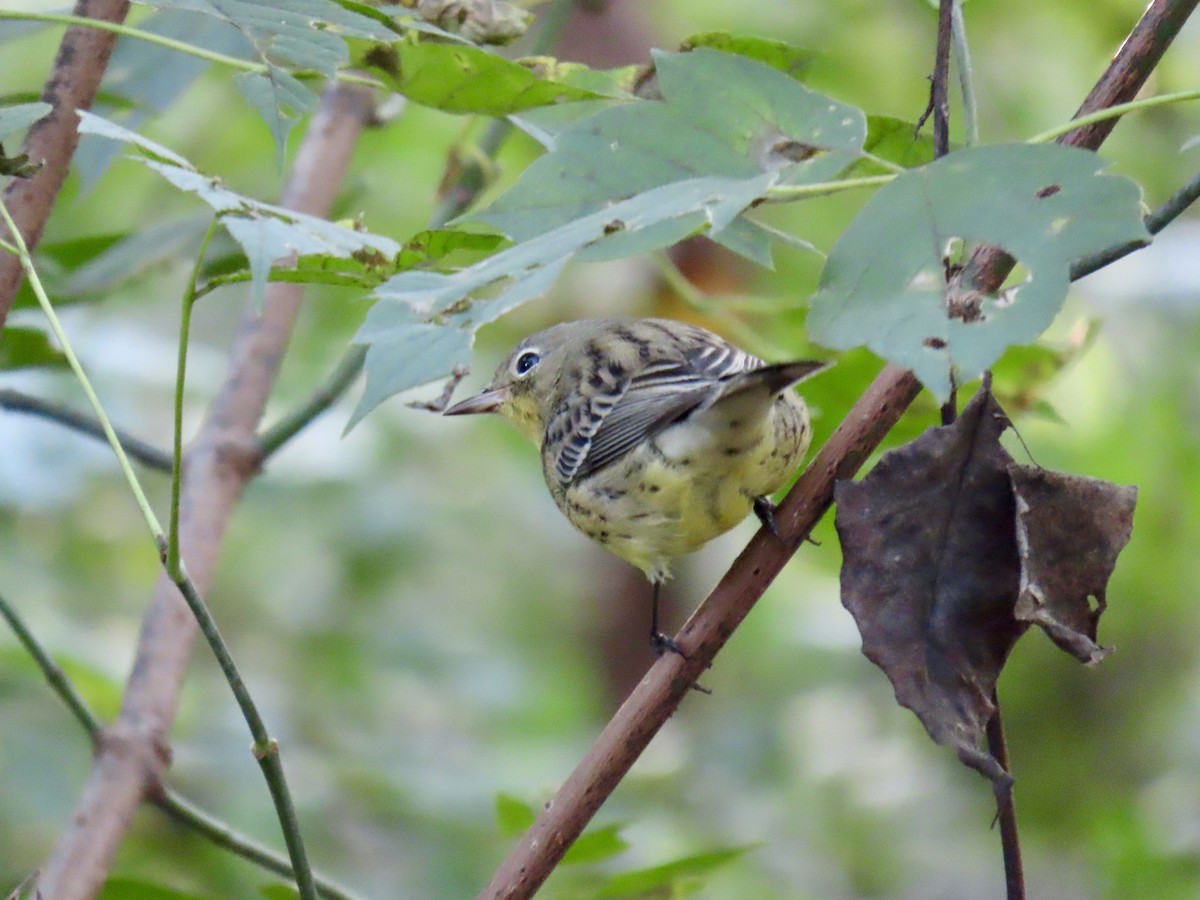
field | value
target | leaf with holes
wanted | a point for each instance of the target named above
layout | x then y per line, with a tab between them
886	281
930	573
1070	530
461	78
720	115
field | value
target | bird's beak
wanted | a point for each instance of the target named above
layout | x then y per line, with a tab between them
486	402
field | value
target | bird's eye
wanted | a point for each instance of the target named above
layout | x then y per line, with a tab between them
526	361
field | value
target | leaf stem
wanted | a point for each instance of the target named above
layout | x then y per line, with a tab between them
820	188
1113	112
1014	870
35	283
966	77
174	568
1156	221
163	41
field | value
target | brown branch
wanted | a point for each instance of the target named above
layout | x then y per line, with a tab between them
1006	813
670	679
80	64
133	753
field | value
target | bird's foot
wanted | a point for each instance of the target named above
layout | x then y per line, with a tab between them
661	643
764	508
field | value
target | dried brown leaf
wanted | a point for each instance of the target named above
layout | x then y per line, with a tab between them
1070	530
930	573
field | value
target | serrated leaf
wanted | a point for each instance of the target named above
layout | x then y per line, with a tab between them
266	232
435	245
896	141
885	283
299	35
28	348
793	61
656	878
461	78
423	323
144	78
513	815
279	99
764	122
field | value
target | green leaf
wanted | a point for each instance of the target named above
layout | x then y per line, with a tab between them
436	245
596	845
278	892
424	323
896	141
266	232
884	283
300	35
765	123
28	348
657	878
461	78
793	61
279	98
143	78
513	815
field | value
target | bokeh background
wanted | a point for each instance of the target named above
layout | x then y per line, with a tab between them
426	632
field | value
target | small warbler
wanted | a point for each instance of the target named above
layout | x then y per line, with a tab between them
656	436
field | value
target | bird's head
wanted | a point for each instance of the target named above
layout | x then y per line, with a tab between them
524	388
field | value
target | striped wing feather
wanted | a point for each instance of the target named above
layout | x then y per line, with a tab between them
603	429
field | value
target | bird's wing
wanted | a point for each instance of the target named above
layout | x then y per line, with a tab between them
602	428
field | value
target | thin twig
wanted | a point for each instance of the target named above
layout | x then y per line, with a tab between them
966	75
52	672
658	695
939	83
166	799
221	459
59	413
1010	841
217	832
265	748
1156	221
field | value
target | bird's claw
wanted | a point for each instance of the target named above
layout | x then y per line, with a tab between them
661	643
764	508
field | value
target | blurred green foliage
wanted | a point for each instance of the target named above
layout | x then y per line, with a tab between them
425	632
